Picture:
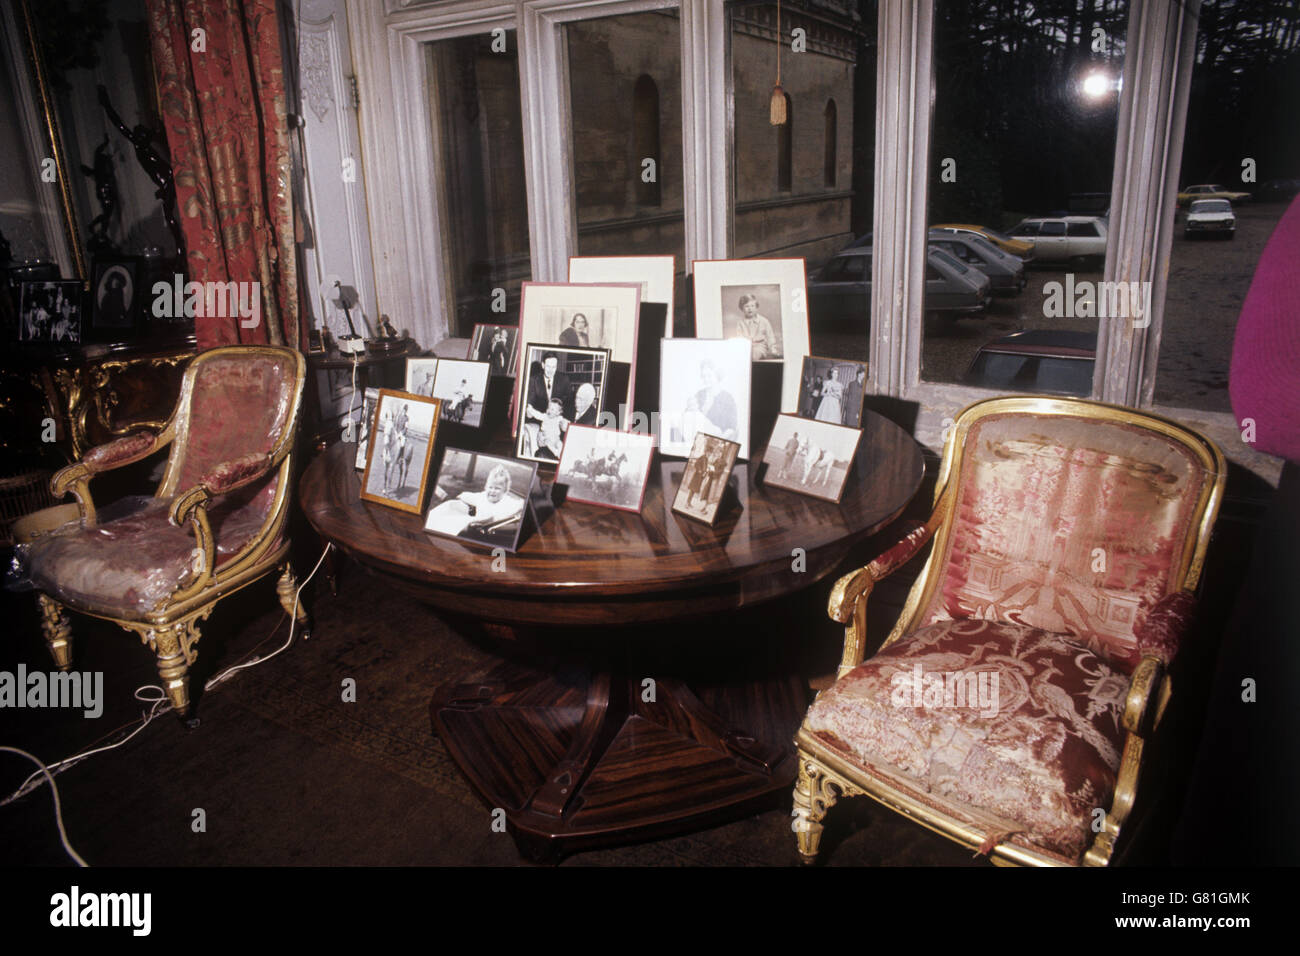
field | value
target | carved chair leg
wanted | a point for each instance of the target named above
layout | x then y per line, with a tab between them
285	588
174	647
812	798
57	629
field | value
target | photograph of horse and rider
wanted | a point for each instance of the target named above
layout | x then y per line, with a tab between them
398	459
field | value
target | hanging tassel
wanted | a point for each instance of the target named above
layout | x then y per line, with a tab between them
776	110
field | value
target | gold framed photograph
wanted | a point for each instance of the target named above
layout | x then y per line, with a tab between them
400	449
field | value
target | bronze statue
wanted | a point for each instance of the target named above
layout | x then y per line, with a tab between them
106	192
156	167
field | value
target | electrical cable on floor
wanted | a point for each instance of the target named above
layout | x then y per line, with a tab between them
58	809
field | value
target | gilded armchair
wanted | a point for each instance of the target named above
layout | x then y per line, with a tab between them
1009	708
157	565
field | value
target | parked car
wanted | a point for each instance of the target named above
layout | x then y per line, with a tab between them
1277	190
1036	360
842	288
1016	247
1210	217
1006	272
1211	191
1062	238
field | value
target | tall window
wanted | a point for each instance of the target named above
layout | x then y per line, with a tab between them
785	149
832	145
645	136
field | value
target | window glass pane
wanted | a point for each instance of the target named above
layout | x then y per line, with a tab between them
1242	147
1022	140
803	188
480	157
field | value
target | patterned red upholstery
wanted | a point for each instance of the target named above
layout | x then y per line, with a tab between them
1026	743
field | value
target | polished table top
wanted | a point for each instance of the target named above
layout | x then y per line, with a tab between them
588	564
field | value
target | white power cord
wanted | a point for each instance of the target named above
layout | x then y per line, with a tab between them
58	809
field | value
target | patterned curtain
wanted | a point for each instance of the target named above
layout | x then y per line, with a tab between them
221	88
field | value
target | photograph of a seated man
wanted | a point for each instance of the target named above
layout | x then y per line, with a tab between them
562	387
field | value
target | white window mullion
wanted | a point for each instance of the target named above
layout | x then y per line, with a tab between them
706	130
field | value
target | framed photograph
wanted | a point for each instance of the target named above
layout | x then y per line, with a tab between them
810	457
832	390
401	446
704	386
708	469
560	387
498	345
763	301
115	291
480	499
605	467
50	312
363	427
420	373
654	274
462	386
582	316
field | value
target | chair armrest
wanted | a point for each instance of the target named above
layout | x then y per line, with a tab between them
114	454
1166	625
1139	717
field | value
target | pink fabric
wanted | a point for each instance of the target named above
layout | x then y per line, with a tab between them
231	474
121	451
1264	379
1165	628
1027	740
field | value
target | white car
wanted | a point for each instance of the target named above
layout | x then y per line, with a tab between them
1210	217
1059	239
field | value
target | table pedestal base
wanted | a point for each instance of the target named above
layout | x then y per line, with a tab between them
579	760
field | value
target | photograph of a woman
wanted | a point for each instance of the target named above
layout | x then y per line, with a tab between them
829	409
704	387
578	332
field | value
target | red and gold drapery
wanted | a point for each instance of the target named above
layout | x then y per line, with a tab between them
222	94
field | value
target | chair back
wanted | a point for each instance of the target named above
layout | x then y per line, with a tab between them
1070	516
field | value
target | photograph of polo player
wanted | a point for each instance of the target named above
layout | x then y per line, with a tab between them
398	460
480	499
362	428
462	386
810	457
604	467
705	478
753	312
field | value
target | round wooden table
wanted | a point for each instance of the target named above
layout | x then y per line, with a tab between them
596	750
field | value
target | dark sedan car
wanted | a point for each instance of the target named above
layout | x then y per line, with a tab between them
1037	360
1006	272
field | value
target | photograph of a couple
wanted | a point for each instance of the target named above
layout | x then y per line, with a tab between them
705	479
810	457
704	385
831	390
480	498
496	345
561	387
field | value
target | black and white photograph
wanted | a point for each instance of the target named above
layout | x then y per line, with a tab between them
655	274
362	428
705	478
764	302
480	499
559	387
498	345
832	390
50	312
704	385
810	457
397	465
420	374
462	386
602	466
115	289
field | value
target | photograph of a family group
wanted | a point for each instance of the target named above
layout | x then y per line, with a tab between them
498	345
401	446
810	457
654	274
50	312
362	429
705	478
832	390
601	466
480	499
763	302
559	387
704	386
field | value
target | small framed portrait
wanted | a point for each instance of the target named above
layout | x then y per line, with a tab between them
498	345
832	390
559	387
602	466
420	373
480	499
115	290
655	275
763	301
362	428
50	312
810	457
704	386
401	446
462	386
708	469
